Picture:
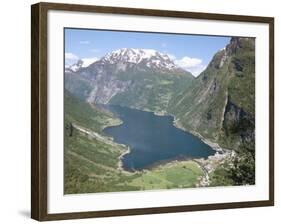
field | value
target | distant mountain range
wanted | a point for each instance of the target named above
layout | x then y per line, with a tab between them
139	78
146	58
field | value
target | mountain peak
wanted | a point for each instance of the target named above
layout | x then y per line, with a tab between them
235	45
147	57
74	67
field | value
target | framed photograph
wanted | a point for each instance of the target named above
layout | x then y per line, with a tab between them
139	111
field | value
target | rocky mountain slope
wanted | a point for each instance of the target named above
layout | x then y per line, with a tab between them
220	103
140	78
220	106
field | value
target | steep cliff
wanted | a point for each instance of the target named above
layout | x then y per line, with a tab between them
220	104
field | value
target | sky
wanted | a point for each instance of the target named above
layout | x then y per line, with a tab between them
191	52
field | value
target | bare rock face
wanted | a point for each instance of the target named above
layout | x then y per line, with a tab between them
239	124
101	94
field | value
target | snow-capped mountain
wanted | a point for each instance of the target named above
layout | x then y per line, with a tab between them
142	59
74	67
147	57
81	63
127	76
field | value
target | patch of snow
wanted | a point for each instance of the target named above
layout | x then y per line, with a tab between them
74	68
151	57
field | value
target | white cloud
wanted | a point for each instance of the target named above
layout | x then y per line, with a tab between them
84	42
88	61
193	65
70	58
187	62
197	70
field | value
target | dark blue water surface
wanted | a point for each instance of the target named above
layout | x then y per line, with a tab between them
153	139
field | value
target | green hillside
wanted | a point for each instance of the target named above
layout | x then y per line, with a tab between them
89	156
151	91
92	160
220	104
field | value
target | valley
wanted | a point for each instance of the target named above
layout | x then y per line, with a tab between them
93	160
209	106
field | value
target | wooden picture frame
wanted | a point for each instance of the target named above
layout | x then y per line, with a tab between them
39	109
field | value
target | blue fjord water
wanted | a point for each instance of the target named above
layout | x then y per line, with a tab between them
153	139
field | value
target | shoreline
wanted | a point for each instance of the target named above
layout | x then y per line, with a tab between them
109	125
211	162
118	123
107	140
120	163
215	146
206	164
